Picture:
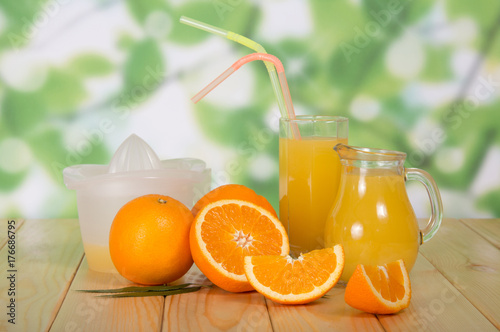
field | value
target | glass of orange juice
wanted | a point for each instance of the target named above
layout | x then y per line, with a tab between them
372	216
309	176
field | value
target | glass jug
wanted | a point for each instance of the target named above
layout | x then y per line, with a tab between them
372	216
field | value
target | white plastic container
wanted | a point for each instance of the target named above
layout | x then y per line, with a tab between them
135	170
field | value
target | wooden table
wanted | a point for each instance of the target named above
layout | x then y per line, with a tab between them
455	284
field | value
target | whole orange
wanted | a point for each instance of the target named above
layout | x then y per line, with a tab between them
233	191
149	240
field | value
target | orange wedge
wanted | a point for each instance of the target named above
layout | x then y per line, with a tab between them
383	289
226	231
296	281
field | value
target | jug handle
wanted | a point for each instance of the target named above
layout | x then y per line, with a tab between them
436	204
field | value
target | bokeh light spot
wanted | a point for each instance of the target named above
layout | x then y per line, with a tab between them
450	159
16	155
365	108
263	168
405	58
158	24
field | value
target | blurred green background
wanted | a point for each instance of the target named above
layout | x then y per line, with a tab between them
79	76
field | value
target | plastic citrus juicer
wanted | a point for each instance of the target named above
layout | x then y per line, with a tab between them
135	170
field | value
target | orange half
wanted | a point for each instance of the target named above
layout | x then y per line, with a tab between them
296	281
233	191
226	231
379	289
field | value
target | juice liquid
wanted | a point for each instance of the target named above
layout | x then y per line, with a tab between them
98	258
373	220
309	179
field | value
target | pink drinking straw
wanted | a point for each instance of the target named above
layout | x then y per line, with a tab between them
248	58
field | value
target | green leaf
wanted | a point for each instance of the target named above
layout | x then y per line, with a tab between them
269	188
241	17
69	208
308	81
489	202
141	291
358	58
22	8
144	71
359	67
184	34
465	119
350	65
13	211
493	55
10	181
233	128
373	5
159	288
472	129
390	88
402	115
392	13
415	10
50	149
96	154
381	10
474	146
20	16
379	133
125	41
334	22
437	64
22	111
141	9
63	92
483	12
160	293
90	64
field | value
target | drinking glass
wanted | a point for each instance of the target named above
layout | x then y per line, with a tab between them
309	176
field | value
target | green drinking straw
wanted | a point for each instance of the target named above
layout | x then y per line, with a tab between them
250	44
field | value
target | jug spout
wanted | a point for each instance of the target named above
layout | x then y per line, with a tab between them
341	149
355	153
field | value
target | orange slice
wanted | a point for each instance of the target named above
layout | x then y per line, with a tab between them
383	289
296	281
226	231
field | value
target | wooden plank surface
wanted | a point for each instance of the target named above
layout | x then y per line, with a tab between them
487	228
213	309
47	255
4	231
435	305
455	283
470	263
87	312
325	314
